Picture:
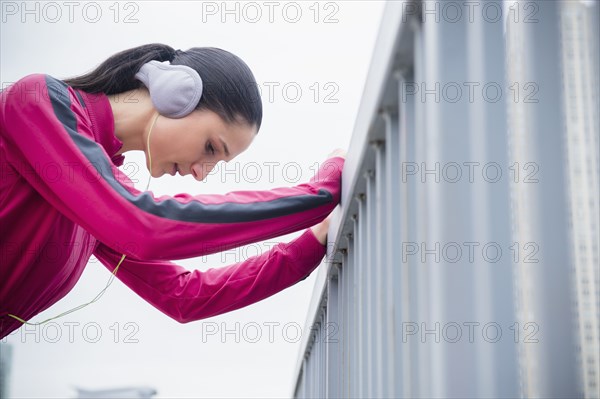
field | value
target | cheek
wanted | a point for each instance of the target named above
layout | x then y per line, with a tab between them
177	146
161	148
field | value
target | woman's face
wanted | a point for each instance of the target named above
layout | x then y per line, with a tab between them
194	144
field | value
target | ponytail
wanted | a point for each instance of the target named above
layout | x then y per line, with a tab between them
116	74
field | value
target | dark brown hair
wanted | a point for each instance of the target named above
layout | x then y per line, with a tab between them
230	89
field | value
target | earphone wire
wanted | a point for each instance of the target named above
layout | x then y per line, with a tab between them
110	280
114	272
148	150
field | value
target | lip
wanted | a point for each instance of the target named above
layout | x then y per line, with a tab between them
175	169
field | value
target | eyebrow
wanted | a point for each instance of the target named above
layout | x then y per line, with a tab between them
224	146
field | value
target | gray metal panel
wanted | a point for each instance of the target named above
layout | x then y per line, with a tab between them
552	365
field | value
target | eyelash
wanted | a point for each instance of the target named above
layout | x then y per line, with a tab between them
210	148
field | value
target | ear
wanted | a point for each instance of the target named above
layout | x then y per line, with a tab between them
175	90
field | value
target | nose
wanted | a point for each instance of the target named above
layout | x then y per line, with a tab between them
201	170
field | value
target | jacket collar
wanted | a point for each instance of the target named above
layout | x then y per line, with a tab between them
103	124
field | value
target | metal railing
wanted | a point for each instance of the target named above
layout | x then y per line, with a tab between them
455	266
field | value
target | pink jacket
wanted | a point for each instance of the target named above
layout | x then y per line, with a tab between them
62	199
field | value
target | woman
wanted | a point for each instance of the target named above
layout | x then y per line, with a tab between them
64	199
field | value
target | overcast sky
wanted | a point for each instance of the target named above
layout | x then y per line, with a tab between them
310	60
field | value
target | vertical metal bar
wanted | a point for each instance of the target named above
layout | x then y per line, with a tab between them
401	138
314	356
326	346
356	330
308	371
406	275
324	369
313	365
319	352
371	271
322	356
361	282
311	372
392	260
361	341
383	272
319	357
301	384
413	151
315	361
433	38
450	200
497	374
343	320
310	381
312	369
349	316
306	377
335	332
358	295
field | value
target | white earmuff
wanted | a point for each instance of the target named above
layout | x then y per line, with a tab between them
175	90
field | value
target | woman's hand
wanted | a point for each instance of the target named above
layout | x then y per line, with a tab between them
320	230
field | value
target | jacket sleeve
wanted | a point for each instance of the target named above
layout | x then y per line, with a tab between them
51	144
192	295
